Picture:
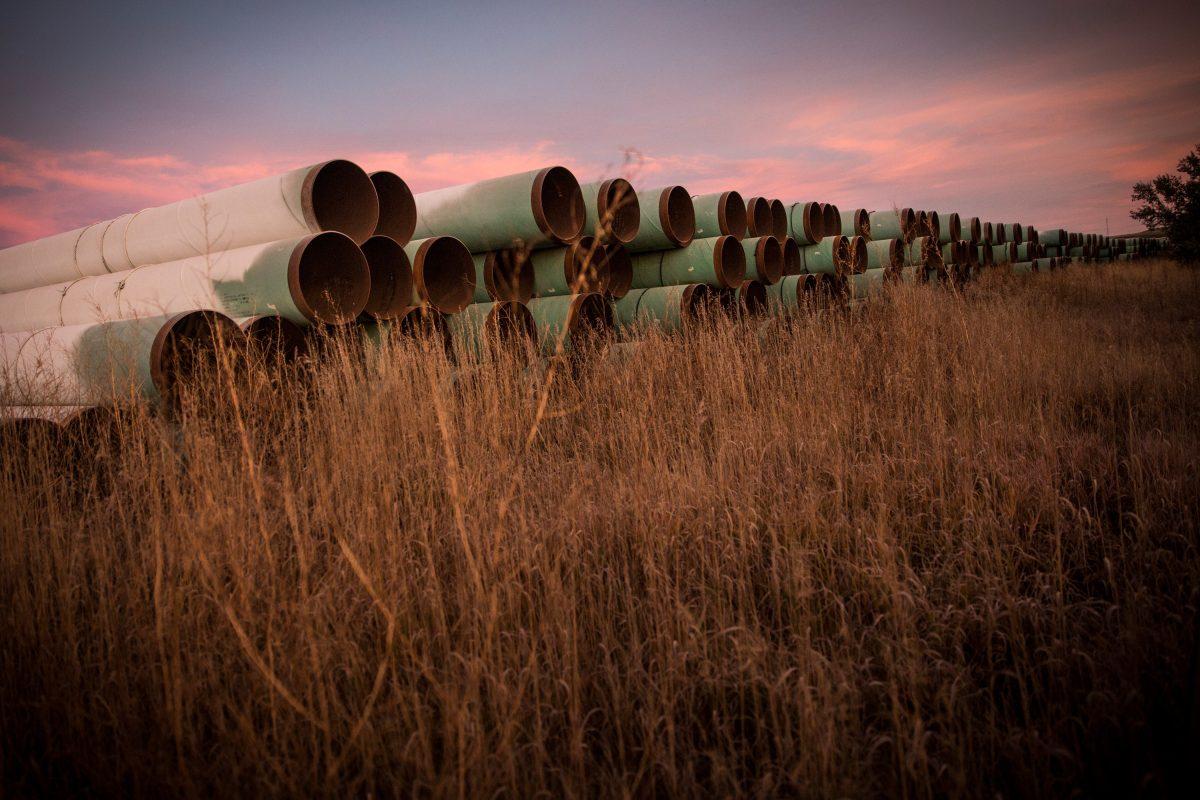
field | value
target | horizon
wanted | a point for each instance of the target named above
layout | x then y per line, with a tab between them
1044	115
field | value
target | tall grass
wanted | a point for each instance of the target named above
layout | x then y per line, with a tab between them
947	546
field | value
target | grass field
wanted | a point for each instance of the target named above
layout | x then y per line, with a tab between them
947	546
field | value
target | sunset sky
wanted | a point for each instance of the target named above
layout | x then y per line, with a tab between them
1043	113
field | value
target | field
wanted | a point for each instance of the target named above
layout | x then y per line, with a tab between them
946	545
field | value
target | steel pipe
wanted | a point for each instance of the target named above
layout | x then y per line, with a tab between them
397	208
831	255
793	259
895	224
618	266
717	261
856	246
391	278
746	301
950	226
272	337
671	308
613	213
443	273
1055	237
502	275
540	208
668	219
319	278
764	259
806	223
856	223
867	284
1013	232
720	214
779	219
831	218
758	217
332	196
578	268
489	329
885	254
972	230
102	363
575	322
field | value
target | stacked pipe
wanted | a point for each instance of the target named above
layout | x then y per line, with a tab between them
127	308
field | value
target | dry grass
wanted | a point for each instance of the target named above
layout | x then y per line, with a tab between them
944	548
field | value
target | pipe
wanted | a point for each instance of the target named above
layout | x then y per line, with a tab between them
806	223
1013	232
950	226
332	196
867	284
720	214
612	210
1001	237
618	265
109	361
856	223
488	329
746	301
1032	235
950	253
502	275
973	229
764	259
794	292
540	208
274	338
391	278
924	251
923	228
425	323
856	247
914	274
397	208
1004	253
443	273
885	254
987	233
831	218
318	278
831	255
758	217
717	261
934	221
1023	268
580	321
779	219
983	255
793	259
668	220
672	308
895	224
578	268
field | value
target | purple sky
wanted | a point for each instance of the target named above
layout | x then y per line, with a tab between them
1043	113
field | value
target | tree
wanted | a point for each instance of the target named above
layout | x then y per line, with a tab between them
1171	203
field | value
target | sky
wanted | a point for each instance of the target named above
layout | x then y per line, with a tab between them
1039	112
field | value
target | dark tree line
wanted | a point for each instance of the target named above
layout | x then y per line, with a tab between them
1171	204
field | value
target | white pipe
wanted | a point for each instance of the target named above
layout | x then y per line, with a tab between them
332	196
318	278
111	361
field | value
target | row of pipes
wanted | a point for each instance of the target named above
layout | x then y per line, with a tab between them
126	308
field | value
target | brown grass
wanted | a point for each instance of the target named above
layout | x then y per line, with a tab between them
947	547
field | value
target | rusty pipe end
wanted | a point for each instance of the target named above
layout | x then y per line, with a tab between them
273	337
758	217
329	278
618	209
444	274
339	196
793	263
189	345
557	204
832	219
391	278
619	270
768	260
507	275
677	215
729	261
397	208
731	214
779	219
426	324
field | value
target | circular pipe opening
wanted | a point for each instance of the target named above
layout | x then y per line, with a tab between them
922	223
955	224
511	326
677	215
1018	233
397	208
729	261
752	298
768	260
935	225
584	266
557	203
427	324
189	346
908	222
896	254
590	321
617	205
831	218
444	274
779	220
840	252
758	217
792	263
814	223
619	265
975	229
858	254
731	214
507	275
695	299
274	337
329	279
391	278
339	196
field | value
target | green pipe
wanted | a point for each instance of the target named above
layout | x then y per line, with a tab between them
1013	232
867	284
933	225
885	254
988	233
1022	268
391	277
856	248
806	223
1044	264
1027	251
720	214
422	323
950	229
923	251
950	253
540	208
487	329
779	219
758	217
618	271
896	224
397	208
983	254
830	255
746	301
574	269
502	275
574	322
443	273
668	219
914	274
807	292
832	218
856	223
672	308
1004	253
972	229
612	210
717	261
764	259
999	236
